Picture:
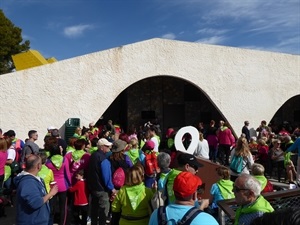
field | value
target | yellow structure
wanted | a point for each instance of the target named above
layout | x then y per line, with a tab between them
29	59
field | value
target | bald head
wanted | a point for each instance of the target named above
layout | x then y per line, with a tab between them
32	162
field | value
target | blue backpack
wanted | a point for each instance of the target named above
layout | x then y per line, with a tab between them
236	164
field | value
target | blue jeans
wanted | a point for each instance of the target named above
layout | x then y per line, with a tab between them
99	207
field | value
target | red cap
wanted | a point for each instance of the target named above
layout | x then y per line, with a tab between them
186	184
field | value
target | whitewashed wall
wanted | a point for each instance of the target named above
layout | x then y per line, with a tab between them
243	84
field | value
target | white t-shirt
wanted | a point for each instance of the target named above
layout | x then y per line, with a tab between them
11	154
155	140
202	149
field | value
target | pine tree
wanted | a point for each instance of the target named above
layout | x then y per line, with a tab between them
11	43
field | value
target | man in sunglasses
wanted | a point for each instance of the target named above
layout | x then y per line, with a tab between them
247	190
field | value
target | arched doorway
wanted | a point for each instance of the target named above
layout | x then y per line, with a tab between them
171	101
287	115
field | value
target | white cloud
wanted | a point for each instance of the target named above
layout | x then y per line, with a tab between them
212	40
169	36
77	31
211	31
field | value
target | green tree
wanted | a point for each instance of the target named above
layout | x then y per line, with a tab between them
11	43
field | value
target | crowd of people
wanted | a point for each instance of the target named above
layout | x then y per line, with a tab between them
103	175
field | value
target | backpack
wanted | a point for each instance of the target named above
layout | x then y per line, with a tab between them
151	167
118	178
188	217
236	164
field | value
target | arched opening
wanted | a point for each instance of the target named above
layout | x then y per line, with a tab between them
287	115
173	102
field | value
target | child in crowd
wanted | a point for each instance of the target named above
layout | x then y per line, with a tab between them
220	190
81	202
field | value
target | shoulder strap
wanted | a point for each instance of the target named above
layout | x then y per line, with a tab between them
189	216
161	215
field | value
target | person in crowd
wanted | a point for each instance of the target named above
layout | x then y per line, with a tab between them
133	151
132	132
185	191
77	132
253	146
149	161
202	149
71	146
60	168
263	130
212	140
32	197
291	172
220	190
286	216
3	159
47	175
242	150
16	143
93	131
78	159
186	162
226	140
61	142
251	203
262	156
201	128
278	158
30	147
154	137
118	158
81	198
293	147
11	168
131	204
258	171
163	161
245	130
94	146
99	180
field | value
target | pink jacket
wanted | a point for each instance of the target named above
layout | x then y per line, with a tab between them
61	176
83	165
225	137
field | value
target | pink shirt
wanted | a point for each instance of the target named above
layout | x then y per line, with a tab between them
3	158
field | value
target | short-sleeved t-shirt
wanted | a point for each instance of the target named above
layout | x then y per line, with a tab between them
177	212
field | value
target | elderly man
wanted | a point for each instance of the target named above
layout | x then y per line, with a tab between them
251	204
185	190
99	180
32	197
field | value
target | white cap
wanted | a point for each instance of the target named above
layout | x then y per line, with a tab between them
104	141
51	128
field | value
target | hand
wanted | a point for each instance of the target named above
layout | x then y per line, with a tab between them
53	190
204	204
154	185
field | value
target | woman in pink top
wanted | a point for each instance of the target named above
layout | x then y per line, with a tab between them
78	159
60	167
3	158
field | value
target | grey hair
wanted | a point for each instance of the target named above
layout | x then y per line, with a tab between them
257	169
252	184
163	160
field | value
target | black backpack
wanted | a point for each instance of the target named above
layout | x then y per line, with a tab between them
188	217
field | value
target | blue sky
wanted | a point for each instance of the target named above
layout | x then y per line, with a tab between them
69	28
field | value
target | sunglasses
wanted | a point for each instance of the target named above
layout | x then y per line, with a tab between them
236	189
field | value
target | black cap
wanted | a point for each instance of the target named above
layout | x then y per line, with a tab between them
184	158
